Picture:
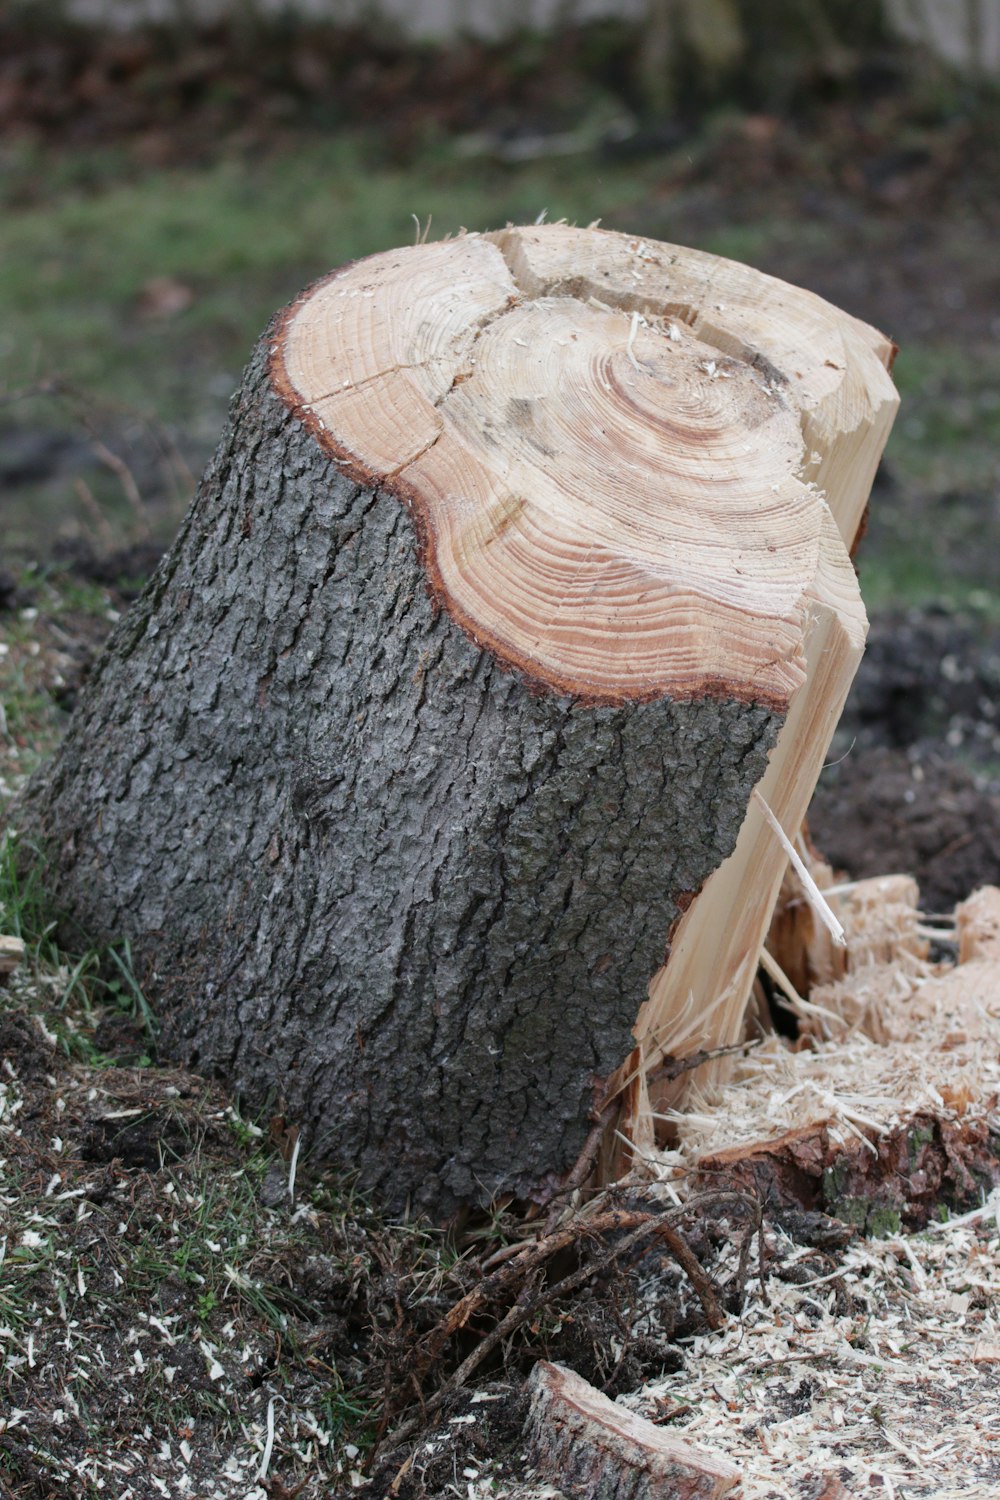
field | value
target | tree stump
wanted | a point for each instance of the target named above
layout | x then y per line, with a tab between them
520	556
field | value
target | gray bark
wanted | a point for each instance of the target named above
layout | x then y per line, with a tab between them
362	866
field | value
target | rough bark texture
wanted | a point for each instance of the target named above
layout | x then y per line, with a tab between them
361	866
592	1448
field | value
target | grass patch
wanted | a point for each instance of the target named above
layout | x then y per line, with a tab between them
73	996
935	529
48	638
948	434
243	237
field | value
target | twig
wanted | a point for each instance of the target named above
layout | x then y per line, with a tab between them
125	477
526	1268
584	1164
524	1307
509	1274
754	1226
643	1227
670	1067
696	1274
86	497
521	1309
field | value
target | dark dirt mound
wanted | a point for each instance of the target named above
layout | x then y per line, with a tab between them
929	683
932	819
918	786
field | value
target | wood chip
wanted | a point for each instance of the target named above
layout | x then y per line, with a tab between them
11	954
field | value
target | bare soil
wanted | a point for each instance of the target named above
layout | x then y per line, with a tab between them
914	784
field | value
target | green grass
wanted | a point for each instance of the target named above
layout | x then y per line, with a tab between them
948	432
244	236
935	534
70	991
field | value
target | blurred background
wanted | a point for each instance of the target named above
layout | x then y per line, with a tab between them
174	171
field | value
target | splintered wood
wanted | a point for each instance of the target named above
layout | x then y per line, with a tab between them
886	1105
875	1368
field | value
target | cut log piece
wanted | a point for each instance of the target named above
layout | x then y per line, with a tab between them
521	555
589	1446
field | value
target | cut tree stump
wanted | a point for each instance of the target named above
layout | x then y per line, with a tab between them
523	562
580	1440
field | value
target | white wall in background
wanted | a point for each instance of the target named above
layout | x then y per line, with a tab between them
964	33
413	18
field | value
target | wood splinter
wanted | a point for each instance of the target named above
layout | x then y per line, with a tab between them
11	954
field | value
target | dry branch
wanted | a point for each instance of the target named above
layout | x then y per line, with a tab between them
517	1290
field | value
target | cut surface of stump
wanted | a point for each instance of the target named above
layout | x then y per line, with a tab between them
610	506
523	563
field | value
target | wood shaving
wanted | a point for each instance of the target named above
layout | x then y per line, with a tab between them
875	1372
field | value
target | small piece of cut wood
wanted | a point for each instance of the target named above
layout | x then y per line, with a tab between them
586	1444
977	921
827	1487
11	954
878	1181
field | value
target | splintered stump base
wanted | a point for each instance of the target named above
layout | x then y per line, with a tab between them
523	562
